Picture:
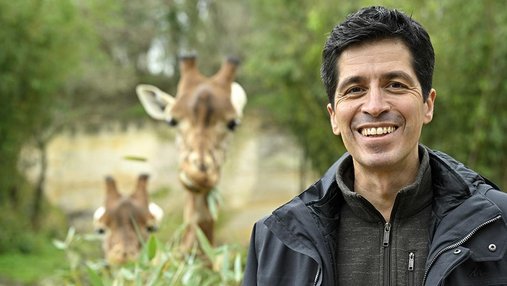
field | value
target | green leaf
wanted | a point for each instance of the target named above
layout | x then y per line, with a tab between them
238	272
70	235
59	244
127	274
94	277
213	208
205	245
135	158
224	269
152	247
214	200
155	275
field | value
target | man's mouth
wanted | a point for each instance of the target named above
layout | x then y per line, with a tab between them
377	131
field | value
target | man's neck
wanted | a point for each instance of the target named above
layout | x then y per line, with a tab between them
381	187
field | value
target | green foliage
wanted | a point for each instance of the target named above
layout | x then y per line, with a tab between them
32	45
470	119
17	234
44	44
158	264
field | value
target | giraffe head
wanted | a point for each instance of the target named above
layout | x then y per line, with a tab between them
204	111
126	221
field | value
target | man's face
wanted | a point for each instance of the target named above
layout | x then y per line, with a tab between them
379	110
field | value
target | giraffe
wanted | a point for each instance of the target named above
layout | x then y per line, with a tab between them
204	112
126	221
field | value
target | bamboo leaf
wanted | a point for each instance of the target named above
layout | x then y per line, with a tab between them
59	244
94	277
205	245
152	247
238	272
135	158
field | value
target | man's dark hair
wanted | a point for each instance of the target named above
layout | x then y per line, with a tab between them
377	23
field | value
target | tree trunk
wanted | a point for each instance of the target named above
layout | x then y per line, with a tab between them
39	186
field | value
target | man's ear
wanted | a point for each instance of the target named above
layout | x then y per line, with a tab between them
429	106
332	119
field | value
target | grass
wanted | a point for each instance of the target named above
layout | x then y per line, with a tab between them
30	268
28	256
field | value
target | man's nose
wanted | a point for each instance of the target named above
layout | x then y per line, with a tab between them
375	103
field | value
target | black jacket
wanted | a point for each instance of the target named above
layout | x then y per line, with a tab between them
468	244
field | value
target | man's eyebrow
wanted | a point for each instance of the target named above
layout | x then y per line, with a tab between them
399	74
350	80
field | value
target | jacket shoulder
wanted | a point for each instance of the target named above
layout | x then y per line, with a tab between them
271	262
498	197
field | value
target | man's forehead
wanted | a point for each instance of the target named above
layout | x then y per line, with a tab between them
372	49
388	56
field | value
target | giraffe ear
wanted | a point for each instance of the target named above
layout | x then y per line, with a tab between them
157	214
98	224
156	103
156	211
238	98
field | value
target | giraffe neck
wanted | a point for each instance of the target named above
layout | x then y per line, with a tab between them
197	214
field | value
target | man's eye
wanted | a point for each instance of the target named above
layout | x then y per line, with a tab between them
396	85
354	90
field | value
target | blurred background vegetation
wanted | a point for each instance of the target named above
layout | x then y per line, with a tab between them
76	63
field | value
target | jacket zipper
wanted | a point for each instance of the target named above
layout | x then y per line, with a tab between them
387	231
411	262
457	244
315	281
387	254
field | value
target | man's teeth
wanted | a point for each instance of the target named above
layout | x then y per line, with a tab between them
377	131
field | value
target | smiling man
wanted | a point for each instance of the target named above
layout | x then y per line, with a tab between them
390	211
379	111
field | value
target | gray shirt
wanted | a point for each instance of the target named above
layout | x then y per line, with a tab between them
371	251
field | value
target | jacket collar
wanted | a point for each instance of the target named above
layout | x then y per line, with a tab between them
452	183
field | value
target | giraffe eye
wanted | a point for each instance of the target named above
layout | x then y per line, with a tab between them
232	124
172	122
